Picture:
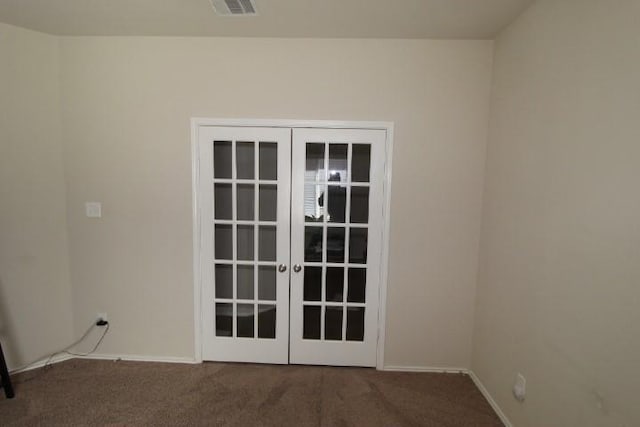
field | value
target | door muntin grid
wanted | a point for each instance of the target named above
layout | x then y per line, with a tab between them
336	209
245	198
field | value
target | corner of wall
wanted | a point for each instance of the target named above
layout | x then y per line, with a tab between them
34	251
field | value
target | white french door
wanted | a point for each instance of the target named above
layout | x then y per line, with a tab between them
290	244
244	199
336	230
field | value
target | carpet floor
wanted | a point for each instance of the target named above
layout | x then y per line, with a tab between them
105	393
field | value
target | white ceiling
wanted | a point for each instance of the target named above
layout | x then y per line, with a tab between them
436	19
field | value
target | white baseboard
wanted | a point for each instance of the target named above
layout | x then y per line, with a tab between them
490	399
40	363
130	357
141	358
432	369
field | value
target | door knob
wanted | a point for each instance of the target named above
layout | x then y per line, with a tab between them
282	268
297	268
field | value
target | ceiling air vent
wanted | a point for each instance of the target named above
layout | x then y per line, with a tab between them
234	7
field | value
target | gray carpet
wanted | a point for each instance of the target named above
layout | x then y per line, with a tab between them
105	393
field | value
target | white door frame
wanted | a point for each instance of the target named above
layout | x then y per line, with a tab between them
198	122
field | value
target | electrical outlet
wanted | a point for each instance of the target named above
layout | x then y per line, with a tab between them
520	387
93	209
102	316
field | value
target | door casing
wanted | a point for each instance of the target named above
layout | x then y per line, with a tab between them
197	123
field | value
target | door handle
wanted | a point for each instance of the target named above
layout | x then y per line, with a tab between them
297	268
282	268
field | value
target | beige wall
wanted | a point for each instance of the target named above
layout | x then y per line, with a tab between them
558	292
35	289
126	109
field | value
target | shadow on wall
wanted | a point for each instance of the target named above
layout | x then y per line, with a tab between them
7	332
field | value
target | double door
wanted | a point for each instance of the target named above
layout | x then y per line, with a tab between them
290	244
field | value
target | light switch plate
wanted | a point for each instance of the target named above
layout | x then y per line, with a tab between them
93	209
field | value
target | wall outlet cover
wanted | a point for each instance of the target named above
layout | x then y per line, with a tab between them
520	387
93	209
